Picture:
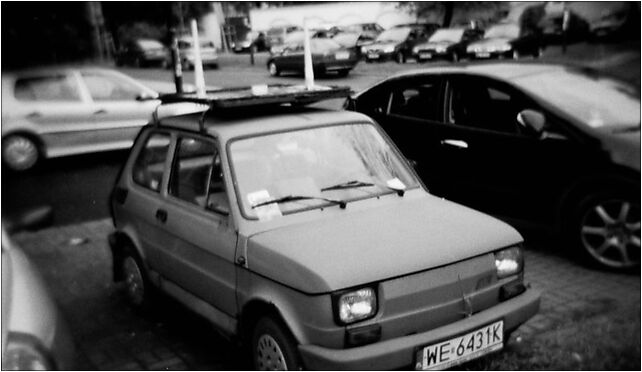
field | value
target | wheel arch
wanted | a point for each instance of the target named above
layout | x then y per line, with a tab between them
42	148
120	242
252	311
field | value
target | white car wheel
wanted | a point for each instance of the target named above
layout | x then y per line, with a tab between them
19	152
274	71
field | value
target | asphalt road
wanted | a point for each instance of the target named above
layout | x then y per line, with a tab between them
78	187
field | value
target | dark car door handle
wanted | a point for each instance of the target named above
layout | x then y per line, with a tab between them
100	112
34	115
455	143
161	215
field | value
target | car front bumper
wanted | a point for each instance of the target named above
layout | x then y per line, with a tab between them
490	55
426	55
400	352
379	56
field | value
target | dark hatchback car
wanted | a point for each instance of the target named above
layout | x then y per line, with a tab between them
327	56
507	40
142	52
446	43
396	43
549	144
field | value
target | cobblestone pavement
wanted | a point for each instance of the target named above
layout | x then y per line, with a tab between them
75	260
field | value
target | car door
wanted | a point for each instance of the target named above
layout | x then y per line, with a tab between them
409	110
201	246
490	161
117	110
50	104
292	57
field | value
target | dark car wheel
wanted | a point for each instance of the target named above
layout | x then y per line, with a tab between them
606	230
454	57
19	152
138	290
273	348
400	58
274	71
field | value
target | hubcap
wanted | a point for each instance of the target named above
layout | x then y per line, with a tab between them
269	355
272	69
610	232
134	281
515	54
19	153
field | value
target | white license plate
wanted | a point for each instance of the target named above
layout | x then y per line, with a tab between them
461	349
342	55
482	55
373	56
425	55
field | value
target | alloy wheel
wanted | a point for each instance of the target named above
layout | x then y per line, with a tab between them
134	283
19	153
269	355
274	71
610	233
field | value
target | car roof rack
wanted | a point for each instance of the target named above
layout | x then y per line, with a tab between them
254	96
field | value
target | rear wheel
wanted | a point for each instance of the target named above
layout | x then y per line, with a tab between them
138	290
273	348
606	230
274	71
19	152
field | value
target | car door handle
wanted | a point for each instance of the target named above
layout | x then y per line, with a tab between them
34	115
161	215
455	143
100	112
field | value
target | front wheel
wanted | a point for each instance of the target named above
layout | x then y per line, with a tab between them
607	230
273	348
19	152
274	71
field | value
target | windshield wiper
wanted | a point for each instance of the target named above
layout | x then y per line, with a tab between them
356	183
291	198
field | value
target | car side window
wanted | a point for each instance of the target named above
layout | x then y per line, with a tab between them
149	166
483	104
197	175
418	100
47	88
110	88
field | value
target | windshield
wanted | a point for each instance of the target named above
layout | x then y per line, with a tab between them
346	39
593	100
448	35
396	34
303	162
505	31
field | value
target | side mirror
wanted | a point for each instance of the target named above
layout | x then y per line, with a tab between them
144	96
532	120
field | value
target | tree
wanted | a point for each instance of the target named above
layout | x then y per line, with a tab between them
449	9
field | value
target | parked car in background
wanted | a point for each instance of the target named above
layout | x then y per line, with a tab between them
253	39
142	52
507	40
396	43
277	35
446	43
548	144
368	31
305	235
34	334
209	56
327	56
352	41
295	37
59	111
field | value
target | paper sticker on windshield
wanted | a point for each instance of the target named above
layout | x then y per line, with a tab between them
396	184
265	212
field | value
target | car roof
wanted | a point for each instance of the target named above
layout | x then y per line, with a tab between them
56	69
232	124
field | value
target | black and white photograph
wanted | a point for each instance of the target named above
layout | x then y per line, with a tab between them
320	185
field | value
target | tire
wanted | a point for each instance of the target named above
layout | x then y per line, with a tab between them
400	58
138	290
273	348
606	230
274	71
454	57
19	152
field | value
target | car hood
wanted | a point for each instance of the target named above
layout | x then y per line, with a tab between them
381	45
435	45
623	145
490	43
360	247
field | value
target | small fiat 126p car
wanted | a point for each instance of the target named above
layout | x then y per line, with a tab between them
304	234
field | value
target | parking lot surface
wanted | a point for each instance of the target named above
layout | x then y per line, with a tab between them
76	263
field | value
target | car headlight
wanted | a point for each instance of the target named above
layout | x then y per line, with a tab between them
504	48
470	49
441	49
415	50
355	305
509	261
25	353
389	49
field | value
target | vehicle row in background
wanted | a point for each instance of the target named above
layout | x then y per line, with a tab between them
552	145
149	52
327	56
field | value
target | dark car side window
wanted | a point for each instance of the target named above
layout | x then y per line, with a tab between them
419	100
197	175
47	88
484	104
150	164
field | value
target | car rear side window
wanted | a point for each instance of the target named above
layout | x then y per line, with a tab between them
419	100
47	88
150	164
197	176
110	88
